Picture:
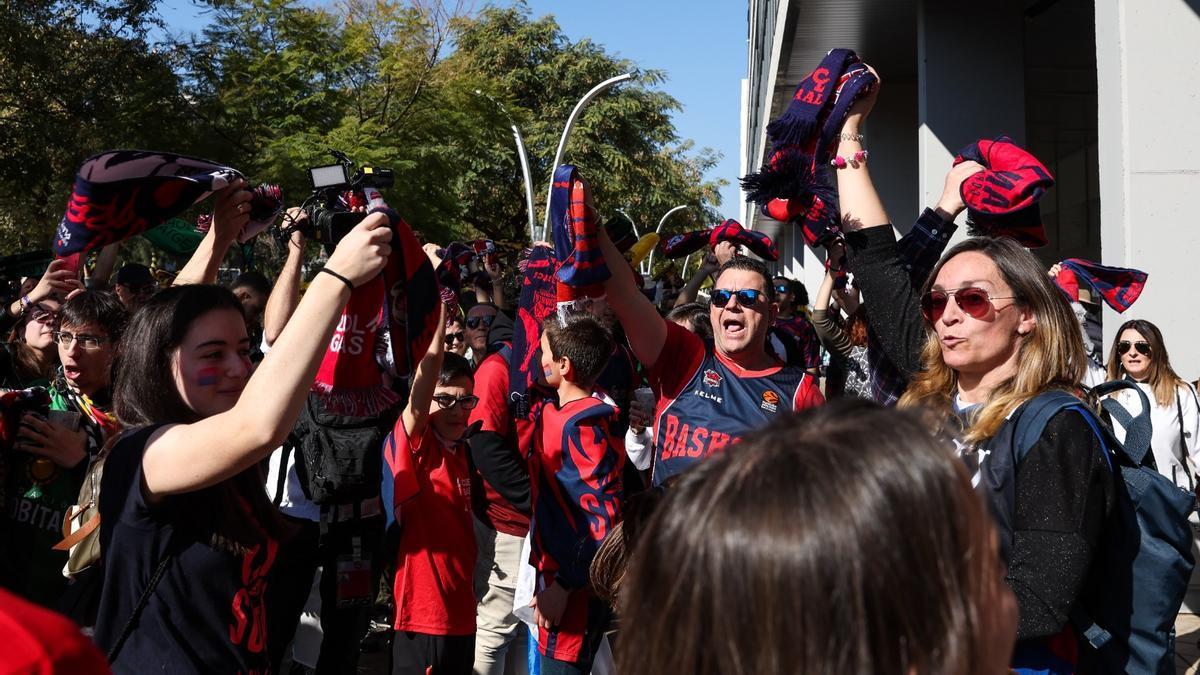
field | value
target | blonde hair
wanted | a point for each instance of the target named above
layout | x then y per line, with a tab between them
1051	356
1163	379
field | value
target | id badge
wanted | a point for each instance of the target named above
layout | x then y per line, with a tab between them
353	582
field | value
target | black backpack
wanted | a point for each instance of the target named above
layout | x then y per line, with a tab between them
340	458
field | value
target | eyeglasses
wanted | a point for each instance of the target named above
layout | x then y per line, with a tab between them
451	338
747	297
446	401
87	342
974	301
782	288
42	315
478	321
1142	348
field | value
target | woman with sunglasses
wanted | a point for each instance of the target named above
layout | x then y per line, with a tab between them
435	560
996	334
793	325
53	450
456	335
1139	354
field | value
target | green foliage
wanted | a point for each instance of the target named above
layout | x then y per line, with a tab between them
272	85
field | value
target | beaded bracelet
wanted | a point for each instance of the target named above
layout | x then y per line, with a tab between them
842	162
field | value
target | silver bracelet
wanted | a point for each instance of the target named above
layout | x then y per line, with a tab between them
858	138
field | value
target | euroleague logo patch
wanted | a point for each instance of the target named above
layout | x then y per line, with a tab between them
770	401
712	378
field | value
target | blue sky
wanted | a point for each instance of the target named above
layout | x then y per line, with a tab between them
700	45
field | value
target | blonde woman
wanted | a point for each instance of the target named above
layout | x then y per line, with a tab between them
996	333
1139	354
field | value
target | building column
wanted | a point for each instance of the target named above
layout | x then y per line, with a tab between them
970	83
1149	154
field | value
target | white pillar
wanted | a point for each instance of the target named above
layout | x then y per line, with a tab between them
1149	152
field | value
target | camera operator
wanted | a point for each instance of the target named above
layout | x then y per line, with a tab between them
54	447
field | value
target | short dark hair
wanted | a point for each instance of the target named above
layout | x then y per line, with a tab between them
739	262
797	289
695	314
254	280
585	341
101	308
454	367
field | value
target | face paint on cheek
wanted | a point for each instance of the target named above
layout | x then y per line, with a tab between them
208	377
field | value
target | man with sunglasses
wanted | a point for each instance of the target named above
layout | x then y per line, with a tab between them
709	395
479	320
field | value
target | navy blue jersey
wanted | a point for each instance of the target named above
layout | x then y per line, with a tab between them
706	402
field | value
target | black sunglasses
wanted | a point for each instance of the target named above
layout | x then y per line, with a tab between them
446	401
477	321
451	338
1142	348
747	297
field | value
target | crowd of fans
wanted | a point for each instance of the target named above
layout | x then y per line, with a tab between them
729	481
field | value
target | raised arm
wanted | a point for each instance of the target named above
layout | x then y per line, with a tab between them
188	457
833	337
231	212
285	295
105	262
646	330
416	413
708	265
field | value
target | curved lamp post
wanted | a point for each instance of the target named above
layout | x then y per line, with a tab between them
658	230
562	143
524	165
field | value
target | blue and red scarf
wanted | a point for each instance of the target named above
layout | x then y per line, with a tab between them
1119	287
536	305
793	185
1003	199
121	193
731	230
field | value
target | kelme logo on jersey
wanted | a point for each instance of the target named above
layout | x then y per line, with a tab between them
770	401
712	378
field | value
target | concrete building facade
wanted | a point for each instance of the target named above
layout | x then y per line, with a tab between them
1106	93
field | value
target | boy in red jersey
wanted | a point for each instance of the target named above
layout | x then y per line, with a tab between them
577	494
427	454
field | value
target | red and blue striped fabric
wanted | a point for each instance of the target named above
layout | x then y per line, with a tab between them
537	303
576	233
1003	199
1119	287
731	230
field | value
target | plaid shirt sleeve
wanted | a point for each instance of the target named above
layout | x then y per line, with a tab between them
921	248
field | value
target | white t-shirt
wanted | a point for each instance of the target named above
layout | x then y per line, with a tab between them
293	502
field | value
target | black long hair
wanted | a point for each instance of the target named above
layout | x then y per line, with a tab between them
234	514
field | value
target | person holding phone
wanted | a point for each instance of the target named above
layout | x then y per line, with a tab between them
54	447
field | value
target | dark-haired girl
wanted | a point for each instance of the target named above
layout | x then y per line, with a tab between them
187	532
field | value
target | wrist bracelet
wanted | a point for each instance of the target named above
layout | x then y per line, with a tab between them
25	303
857	138
337	276
842	162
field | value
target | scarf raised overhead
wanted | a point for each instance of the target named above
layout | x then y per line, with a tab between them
536	305
121	193
731	230
1003	199
1119	287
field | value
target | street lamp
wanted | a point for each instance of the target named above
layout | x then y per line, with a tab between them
562	143
658	230
524	166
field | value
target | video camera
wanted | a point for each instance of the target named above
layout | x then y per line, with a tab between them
337	190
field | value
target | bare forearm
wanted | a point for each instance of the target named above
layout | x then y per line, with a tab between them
284	296
202	267
646	330
425	379
858	199
692	288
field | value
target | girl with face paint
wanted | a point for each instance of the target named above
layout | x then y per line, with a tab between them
183	491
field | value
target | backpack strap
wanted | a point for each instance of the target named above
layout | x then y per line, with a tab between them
1035	414
1138	430
280	483
137	609
1183	451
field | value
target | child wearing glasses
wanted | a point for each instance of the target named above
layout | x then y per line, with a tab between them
1139	354
576	474
427	454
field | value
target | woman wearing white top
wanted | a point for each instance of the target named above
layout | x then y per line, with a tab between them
1139	354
